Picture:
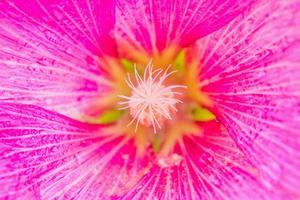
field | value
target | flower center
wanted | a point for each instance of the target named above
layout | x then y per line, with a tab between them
152	101
147	99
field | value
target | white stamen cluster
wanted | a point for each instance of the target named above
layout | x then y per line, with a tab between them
151	102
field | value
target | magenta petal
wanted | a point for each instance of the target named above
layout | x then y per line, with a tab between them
44	155
251	70
70	25
50	52
209	167
154	25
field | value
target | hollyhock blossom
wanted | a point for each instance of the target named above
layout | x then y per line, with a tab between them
149	99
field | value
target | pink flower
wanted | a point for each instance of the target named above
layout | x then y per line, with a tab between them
150	99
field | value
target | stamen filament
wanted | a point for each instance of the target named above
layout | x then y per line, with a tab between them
151	102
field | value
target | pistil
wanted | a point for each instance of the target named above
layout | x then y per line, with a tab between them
151	101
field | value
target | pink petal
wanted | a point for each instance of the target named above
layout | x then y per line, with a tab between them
211	167
44	155
154	25
50	52
251	70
